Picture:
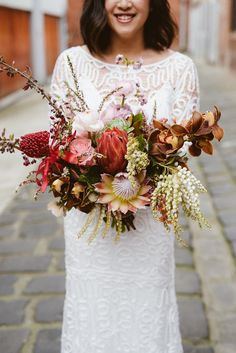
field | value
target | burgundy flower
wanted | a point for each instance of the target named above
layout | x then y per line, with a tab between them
35	145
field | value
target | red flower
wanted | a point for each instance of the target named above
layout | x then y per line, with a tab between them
113	146
35	145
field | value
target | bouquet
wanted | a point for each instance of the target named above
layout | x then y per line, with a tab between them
111	162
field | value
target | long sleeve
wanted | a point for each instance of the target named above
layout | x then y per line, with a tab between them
57	87
187	93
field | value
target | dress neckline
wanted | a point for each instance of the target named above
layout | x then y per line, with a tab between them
104	63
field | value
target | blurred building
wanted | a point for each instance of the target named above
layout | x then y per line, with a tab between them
32	32
208	30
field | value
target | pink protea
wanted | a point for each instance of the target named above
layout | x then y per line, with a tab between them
35	145
113	146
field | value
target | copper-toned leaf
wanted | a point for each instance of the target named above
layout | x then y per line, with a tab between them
217	113
163	135
153	135
178	130
218	132
195	122
162	147
194	151
158	125
210	117
175	142
203	130
206	146
154	149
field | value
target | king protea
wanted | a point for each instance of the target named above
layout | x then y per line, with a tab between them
120	195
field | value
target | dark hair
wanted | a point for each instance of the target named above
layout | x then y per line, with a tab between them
159	29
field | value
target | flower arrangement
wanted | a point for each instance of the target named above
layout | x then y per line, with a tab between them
112	162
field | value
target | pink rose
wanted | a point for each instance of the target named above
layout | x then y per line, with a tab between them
80	152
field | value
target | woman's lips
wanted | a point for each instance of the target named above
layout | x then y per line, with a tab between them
124	18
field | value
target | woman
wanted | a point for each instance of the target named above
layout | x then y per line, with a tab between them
120	298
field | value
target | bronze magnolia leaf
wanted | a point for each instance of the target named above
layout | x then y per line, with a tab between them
218	132
194	150
178	130
206	146
194	123
210	118
158	125
217	113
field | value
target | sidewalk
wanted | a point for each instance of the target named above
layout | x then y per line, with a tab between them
27	115
215	251
32	246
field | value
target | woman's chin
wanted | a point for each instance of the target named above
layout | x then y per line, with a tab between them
125	34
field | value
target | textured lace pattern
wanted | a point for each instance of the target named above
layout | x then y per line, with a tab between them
120	297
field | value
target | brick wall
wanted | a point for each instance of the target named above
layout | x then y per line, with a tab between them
73	18
15	45
52	40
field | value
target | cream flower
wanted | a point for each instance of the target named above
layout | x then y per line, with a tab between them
120	195
87	121
57	184
77	189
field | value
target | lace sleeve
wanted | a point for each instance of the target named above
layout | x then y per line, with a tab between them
187	93
57	87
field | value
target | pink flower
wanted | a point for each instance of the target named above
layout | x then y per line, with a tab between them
119	59
137	64
126	88
108	113
115	111
80	152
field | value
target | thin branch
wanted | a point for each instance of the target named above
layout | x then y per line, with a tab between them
79	93
32	83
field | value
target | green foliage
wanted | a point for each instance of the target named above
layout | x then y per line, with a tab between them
92	177
120	124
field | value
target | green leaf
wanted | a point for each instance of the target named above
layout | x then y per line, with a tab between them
92	177
120	124
143	145
138	118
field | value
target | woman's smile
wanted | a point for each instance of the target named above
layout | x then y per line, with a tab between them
127	18
124	17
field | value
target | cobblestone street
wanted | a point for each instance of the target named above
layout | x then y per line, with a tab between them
32	253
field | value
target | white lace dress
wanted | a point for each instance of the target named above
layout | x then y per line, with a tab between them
120	298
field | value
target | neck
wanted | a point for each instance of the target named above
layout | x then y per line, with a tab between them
130	48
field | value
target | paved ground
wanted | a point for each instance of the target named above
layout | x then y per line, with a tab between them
32	261
28	114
